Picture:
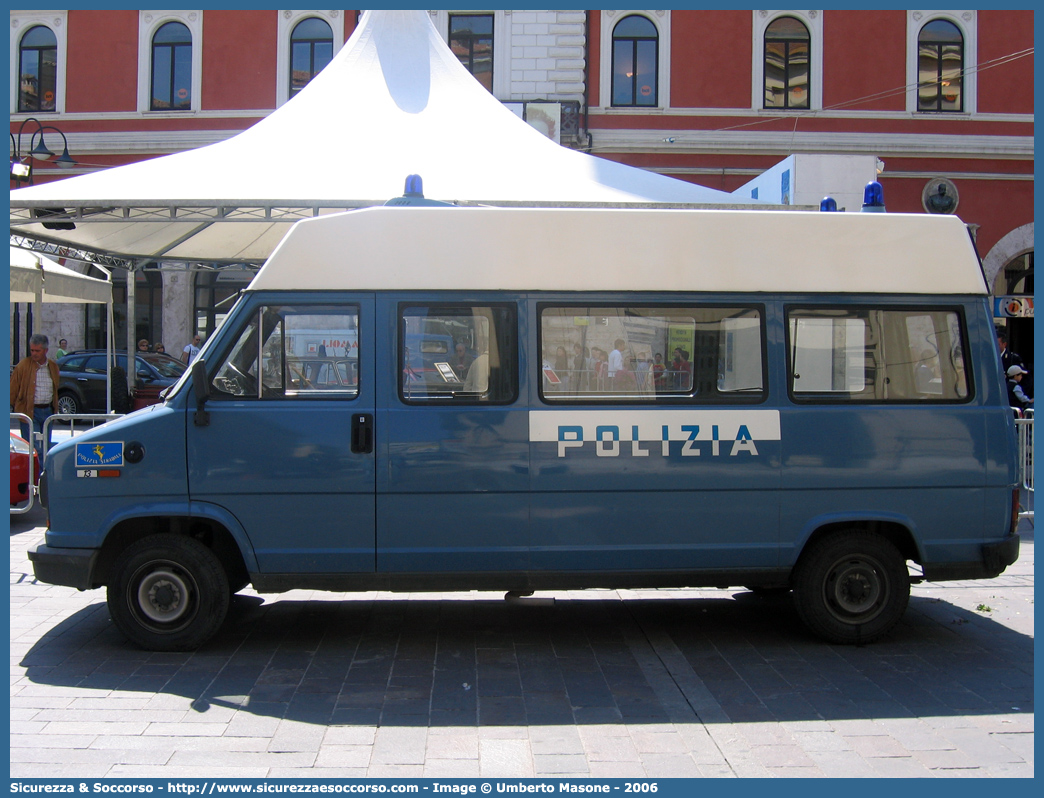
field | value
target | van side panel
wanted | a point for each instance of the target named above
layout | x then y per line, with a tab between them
659	486
452	489
920	465
89	507
452	495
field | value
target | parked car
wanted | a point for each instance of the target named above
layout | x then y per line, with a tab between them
82	385
21	451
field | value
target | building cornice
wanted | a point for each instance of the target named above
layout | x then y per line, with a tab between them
755	115
697	142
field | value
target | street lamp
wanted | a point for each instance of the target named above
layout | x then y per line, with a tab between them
22	165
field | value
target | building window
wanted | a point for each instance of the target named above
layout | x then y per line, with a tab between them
37	47
635	62
787	45
299	48
37	70
311	48
471	40
215	293
940	67
171	68
941	46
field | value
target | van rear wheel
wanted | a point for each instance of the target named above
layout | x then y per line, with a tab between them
852	587
168	593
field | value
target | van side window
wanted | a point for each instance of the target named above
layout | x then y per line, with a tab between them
703	354
293	352
459	354
890	355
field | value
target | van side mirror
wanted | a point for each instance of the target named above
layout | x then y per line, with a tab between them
201	389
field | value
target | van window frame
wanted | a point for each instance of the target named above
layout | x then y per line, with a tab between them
253	316
465	305
732	399
845	398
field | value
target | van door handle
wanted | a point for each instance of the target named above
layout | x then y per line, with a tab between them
362	433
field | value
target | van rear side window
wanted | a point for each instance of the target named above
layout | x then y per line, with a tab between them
706	354
885	355
460	354
299	352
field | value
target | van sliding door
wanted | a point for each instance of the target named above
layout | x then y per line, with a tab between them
454	473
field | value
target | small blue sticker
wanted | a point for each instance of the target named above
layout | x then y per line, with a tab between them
99	454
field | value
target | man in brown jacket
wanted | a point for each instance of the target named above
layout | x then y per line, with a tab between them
34	387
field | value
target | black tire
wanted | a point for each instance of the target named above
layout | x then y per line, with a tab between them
68	403
168	593
852	587
121	400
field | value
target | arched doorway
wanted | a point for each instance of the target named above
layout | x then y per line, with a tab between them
1009	270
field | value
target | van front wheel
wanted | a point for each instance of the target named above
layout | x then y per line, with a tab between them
168	593
851	587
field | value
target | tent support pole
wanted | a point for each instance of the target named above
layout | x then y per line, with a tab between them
132	344
16	332
110	340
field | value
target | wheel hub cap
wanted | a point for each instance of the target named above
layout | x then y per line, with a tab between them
856	591
163	596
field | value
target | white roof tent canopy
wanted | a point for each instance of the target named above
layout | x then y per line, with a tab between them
35	278
394	101
524	249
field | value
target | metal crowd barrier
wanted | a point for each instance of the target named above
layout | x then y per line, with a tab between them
1024	428
45	439
18	509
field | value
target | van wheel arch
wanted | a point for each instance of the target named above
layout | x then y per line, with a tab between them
895	533
211	534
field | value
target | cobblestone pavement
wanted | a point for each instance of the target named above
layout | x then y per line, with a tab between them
662	683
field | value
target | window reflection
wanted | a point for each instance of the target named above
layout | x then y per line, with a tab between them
471	40
37	70
710	354
172	68
311	48
635	58
940	67
787	45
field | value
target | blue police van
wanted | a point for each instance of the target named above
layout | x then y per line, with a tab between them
645	398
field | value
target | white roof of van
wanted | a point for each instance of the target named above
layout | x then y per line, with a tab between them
530	249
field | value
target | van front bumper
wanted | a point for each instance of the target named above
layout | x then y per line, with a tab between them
995	558
68	567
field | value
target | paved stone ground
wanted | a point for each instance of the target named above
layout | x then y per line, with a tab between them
658	684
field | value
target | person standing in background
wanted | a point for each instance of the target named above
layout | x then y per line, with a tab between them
191	351
34	388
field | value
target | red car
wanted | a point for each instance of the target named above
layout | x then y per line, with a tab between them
20	453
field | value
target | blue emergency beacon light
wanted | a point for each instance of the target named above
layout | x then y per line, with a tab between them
873	198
